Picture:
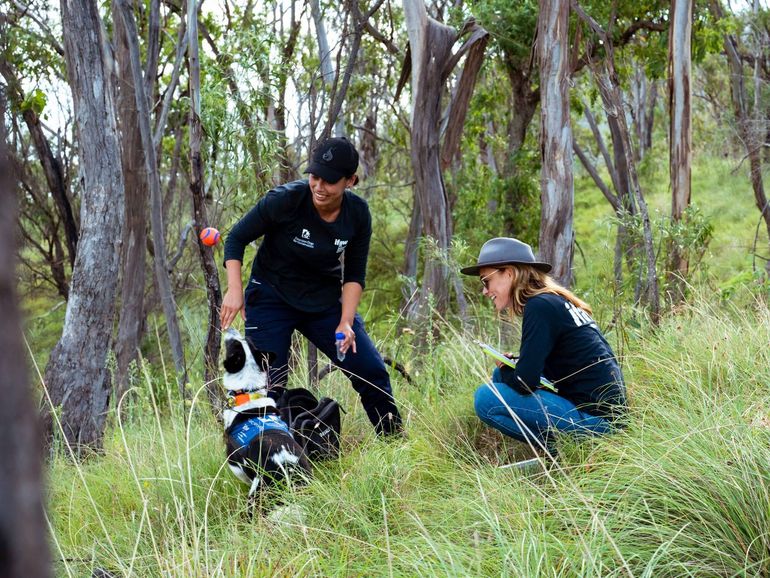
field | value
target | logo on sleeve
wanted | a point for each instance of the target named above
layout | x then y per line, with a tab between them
340	244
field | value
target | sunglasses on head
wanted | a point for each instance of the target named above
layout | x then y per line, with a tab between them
485	278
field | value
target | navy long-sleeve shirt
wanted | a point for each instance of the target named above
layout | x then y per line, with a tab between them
300	254
562	342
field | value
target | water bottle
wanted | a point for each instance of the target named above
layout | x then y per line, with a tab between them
339	339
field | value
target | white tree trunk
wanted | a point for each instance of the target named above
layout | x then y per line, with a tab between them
747	132
325	56
680	135
556	182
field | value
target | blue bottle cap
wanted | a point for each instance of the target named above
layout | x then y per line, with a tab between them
339	335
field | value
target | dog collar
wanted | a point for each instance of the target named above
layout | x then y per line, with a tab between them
240	398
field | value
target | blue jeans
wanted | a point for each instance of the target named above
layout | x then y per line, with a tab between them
270	322
539	415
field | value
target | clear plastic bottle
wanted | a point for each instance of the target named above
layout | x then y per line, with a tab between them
339	338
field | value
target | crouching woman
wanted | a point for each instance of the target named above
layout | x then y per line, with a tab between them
559	340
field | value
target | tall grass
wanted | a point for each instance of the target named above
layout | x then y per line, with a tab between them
682	490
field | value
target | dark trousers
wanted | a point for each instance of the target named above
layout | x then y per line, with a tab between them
270	322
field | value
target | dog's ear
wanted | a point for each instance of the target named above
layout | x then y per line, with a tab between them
263	358
235	356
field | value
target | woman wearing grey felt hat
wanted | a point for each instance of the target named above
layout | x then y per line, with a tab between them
559	341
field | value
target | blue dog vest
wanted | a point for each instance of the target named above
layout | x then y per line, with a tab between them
247	430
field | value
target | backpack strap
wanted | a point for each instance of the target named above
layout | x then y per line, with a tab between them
294	402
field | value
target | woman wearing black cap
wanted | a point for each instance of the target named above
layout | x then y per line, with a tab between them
300	281
559	340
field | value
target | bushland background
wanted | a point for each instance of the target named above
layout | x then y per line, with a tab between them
625	141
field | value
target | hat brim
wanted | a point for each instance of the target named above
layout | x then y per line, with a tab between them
326	173
474	270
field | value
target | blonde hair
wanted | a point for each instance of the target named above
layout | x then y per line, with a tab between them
528	282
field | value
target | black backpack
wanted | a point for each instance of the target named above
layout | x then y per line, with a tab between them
315	424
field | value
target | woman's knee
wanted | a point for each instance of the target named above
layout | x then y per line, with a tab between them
483	401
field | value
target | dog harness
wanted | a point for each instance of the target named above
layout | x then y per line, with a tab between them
242	433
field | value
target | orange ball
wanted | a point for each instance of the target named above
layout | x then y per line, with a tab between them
209	236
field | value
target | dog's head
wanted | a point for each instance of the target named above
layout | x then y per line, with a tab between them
245	366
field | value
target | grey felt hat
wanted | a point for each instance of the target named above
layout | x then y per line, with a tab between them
505	251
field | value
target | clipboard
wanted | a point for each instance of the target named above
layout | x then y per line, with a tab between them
500	356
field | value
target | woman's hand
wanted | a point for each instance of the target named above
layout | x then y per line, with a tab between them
509	355
232	303
350	336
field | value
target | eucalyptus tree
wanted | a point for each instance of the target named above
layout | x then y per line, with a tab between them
644	99
76	376
431	63
134	243
557	192
285	34
617	193
50	163
608	83
752	124
31	58
680	132
206	254
328	77
513	30
153	181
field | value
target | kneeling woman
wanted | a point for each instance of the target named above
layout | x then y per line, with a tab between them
559	340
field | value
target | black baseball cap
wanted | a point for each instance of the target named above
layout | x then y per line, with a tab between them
334	159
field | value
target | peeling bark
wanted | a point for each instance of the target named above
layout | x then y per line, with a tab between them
76	375
134	249
430	61
556	182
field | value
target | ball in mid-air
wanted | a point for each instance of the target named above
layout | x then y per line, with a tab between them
209	236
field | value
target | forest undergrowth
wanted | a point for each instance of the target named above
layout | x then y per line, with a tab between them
681	490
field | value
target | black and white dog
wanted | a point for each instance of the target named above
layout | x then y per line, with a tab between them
260	446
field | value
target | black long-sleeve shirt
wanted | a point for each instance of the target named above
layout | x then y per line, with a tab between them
563	343
300	254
